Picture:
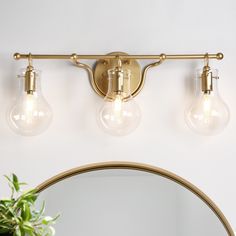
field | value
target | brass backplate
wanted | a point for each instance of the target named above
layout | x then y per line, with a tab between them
101	75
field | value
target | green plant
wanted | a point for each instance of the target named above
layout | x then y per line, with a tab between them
18	216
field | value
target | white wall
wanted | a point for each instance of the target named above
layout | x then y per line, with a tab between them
102	26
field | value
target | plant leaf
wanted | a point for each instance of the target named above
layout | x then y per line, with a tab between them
28	226
25	212
17	232
47	220
15	182
18	215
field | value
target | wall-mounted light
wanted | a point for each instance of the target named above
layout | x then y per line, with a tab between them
208	114
30	114
117	77
120	114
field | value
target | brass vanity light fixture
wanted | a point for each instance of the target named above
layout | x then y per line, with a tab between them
30	114
117	77
208	114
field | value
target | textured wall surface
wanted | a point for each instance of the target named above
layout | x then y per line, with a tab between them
162	139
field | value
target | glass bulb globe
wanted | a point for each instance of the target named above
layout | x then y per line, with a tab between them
30	114
208	114
119	115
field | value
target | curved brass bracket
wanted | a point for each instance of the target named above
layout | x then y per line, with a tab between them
147	67
97	82
90	74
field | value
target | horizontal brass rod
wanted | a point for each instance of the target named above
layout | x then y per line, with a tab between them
18	56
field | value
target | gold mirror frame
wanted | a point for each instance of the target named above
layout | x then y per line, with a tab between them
141	167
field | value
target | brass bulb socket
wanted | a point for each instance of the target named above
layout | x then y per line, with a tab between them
207	80
117	82
30	80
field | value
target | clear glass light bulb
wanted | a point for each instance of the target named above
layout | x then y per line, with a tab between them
208	114
118	117
30	114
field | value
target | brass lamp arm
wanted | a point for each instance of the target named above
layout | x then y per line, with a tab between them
218	56
98	74
90	74
147	67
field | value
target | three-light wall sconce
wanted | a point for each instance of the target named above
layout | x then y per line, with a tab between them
118	78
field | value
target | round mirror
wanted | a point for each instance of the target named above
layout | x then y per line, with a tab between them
129	199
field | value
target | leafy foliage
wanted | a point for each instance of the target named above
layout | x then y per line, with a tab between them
18	216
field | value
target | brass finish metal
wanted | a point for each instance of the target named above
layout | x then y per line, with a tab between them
98	75
145	70
119	78
141	167
105	63
90	74
30	77
30	80
218	56
101	75
207	77
206	80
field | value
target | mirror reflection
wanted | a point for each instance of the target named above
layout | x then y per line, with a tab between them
128	202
